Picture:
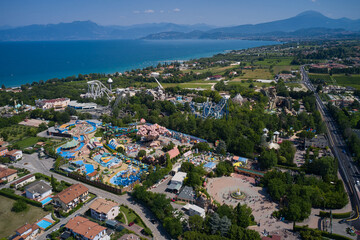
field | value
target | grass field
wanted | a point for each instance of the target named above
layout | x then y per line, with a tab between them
214	70
247	84
188	85
10	221
278	69
27	142
340	79
130	216
277	62
257	74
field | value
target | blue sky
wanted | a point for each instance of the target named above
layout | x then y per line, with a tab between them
127	12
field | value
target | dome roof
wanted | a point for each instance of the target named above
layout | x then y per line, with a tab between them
109	80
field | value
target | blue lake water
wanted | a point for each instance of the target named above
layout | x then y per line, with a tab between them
25	62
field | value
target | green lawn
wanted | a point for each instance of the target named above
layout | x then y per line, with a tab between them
130	216
10	221
278	69
257	74
275	62
247	84
28	142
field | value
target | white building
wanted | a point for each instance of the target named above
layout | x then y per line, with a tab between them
23	181
58	103
195	210
177	181
154	74
15	154
38	190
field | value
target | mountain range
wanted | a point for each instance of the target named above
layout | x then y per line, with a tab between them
307	25
87	30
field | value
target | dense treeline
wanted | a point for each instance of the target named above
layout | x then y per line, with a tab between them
345	121
298	193
225	223
241	129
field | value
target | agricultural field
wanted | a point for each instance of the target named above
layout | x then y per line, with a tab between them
340	79
10	221
275	62
278	69
257	74
213	70
246	84
15	132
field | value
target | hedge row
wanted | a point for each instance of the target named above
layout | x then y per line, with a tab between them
10	194
323	233
137	215
335	215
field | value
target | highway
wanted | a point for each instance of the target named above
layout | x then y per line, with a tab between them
347	167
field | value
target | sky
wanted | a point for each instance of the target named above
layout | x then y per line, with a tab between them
128	12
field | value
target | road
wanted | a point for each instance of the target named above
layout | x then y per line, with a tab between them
347	167
34	164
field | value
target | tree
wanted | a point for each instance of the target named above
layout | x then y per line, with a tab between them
221	147
214	223
224	168
173	226
3	86
244	216
141	154
53	182
268	159
19	206
196	223
287	150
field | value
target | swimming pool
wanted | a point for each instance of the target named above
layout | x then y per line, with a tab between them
89	168
46	200
44	224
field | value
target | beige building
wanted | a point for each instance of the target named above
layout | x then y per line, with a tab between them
7	174
71	197
102	209
58	103
25	180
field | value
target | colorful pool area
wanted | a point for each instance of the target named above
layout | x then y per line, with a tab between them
46	201
89	168
107	160
126	177
44	224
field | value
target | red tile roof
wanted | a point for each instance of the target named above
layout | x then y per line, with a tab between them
71	193
173	152
5	172
84	227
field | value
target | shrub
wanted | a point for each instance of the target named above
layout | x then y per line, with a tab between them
19	206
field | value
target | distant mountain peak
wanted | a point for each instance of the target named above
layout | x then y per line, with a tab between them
311	13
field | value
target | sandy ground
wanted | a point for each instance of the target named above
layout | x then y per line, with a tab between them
256	199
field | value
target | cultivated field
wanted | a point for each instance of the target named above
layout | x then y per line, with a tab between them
10	221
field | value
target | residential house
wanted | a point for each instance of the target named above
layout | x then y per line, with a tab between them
27	232
83	228
3	143
102	209
71	197
15	154
7	174
38	190
25	180
3	151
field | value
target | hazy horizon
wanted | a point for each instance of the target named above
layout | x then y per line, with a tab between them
124	13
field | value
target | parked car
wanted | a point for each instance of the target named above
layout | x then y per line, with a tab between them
130	224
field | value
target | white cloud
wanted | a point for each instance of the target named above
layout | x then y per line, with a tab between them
136	12
149	11
313	0
161	11
176	10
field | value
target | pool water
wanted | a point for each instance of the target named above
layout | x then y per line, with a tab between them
46	200
89	168
44	224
